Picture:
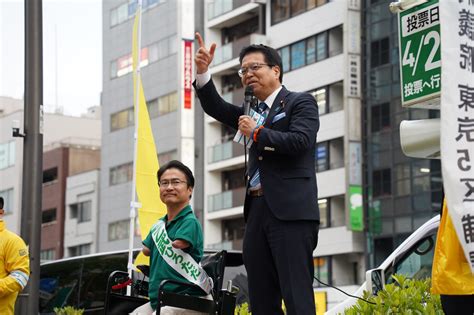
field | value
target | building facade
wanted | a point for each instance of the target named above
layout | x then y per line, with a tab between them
320	45
11	161
401	192
167	39
81	213
71	145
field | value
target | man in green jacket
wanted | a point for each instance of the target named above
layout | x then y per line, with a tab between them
180	230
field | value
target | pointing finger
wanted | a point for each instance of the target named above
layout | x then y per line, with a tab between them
199	39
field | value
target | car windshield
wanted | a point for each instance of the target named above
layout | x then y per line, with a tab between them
416	263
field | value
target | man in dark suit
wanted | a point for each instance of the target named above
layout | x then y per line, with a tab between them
281	205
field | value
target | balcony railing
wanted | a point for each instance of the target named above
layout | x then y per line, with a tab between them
227	245
224	151
226	200
219	7
232	49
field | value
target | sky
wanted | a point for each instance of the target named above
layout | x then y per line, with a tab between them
72	53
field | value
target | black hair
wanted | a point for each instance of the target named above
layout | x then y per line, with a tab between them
180	166
272	57
1	202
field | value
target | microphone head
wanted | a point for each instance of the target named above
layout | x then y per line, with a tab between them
248	90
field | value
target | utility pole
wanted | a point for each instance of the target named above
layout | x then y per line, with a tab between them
32	151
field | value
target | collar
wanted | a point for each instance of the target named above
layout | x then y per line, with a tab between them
184	212
2	225
271	98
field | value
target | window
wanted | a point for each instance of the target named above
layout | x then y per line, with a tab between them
7	154
380	50
163	105
285	58
121	174
233	179
233	229
127	10
280	10
298	55
119	230
321	95
50	175
48	216
382	184
416	262
152	53
284	9
121	119
322	267
321	46
321	156
324	210
380	117
165	157
81	211
7	195
311	49
297	7
48	254
83	249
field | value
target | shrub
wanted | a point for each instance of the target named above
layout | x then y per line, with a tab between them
404	296
242	309
68	310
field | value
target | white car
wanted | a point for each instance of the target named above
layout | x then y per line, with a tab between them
413	258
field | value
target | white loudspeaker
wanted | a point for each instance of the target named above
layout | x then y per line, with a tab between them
421	138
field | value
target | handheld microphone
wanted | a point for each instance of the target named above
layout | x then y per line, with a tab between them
248	100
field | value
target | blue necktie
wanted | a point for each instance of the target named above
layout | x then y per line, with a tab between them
255	179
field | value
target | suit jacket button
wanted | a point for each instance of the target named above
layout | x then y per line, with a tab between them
260	158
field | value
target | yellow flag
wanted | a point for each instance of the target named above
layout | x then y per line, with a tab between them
146	160
451	273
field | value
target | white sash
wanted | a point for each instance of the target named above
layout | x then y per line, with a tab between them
180	261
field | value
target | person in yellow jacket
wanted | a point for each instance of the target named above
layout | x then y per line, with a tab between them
14	266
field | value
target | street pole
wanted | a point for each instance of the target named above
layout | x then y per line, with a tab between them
32	151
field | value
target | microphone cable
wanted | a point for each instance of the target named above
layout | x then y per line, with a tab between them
349	295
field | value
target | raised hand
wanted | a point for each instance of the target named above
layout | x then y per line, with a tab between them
204	56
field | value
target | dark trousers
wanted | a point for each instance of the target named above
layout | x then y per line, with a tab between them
458	304
278	256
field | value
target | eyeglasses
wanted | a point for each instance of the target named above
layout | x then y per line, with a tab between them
253	67
173	182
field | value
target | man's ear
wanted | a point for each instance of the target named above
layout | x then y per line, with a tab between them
276	70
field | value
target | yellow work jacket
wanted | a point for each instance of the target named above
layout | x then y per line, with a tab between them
14	268
451	274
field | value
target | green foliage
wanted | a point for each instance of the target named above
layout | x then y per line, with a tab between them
242	309
405	296
68	310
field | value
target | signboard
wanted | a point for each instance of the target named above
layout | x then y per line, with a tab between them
356	208
457	119
420	56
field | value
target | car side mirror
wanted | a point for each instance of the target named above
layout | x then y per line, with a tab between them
375	280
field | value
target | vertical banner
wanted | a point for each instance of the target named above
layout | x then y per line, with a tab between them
188	73
356	210
457	118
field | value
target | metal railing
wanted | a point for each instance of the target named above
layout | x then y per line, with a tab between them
226	200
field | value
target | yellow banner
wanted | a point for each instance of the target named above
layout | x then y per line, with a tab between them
147	160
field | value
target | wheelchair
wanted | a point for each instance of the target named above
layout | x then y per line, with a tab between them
222	303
